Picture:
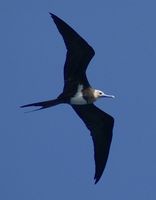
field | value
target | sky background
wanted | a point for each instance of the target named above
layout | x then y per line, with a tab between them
49	154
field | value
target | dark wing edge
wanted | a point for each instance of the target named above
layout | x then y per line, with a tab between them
79	52
100	125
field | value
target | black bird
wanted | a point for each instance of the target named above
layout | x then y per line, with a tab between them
80	95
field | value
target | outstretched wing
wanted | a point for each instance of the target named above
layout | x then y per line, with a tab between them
79	54
100	125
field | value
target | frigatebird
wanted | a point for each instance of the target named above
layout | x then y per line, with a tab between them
78	93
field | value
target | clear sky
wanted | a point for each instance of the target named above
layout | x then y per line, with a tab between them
49	154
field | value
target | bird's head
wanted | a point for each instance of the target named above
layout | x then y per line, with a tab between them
99	94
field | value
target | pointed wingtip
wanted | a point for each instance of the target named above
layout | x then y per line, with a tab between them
52	15
96	180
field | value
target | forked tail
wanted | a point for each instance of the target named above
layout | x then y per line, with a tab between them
44	104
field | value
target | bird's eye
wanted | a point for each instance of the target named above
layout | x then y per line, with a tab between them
100	93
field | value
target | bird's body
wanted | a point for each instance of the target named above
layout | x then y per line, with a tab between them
78	98
84	96
78	93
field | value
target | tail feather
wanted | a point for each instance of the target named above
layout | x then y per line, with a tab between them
44	104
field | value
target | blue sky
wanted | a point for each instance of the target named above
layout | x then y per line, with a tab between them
49	154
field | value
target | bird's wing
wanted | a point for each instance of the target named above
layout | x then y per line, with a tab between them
79	53
100	125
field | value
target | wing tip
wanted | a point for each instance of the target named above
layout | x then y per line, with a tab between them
53	16
96	179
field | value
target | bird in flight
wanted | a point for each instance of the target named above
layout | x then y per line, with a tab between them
78	93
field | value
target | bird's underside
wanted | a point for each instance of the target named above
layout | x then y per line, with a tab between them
100	124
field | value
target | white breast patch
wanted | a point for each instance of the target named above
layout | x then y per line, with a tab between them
78	99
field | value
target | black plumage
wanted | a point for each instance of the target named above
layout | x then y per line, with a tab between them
100	124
